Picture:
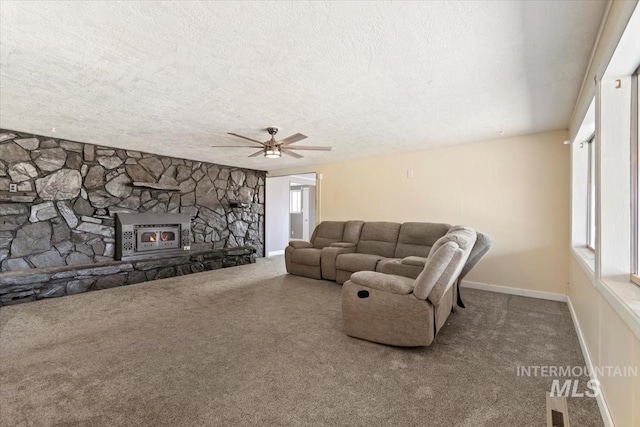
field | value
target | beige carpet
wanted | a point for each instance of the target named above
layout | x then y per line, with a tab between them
251	345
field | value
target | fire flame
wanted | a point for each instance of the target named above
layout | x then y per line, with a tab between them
165	236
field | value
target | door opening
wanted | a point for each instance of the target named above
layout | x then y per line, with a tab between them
290	210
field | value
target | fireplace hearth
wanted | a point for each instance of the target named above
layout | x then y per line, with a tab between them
144	235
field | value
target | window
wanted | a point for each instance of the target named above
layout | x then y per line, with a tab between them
635	177
295	201
591	195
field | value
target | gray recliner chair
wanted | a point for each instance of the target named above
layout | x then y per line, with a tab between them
412	266
400	311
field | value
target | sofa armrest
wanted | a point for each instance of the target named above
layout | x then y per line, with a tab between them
300	244
343	245
416	261
383	282
328	259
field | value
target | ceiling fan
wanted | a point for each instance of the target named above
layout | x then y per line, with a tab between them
273	148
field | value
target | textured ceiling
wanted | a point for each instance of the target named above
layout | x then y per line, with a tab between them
368	78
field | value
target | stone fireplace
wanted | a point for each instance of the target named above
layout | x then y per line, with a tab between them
76	217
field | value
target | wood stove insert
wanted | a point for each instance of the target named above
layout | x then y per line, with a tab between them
139	236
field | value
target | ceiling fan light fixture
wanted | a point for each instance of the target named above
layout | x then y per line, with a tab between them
272	153
273	149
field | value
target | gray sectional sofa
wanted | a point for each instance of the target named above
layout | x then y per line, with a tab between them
392	259
340	248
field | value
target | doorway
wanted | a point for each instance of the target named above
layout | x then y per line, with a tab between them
290	210
302	210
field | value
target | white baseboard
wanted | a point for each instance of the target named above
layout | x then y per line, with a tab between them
275	253
602	404
514	291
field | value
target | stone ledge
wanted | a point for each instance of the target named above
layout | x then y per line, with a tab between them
30	285
156	186
18	197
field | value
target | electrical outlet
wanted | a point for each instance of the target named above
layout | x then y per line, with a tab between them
410	173
13	188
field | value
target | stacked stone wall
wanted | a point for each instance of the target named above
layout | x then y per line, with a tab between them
67	194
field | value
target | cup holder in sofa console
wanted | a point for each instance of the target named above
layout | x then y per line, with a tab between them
363	294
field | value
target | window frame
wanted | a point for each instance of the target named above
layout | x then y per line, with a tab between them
295	193
635	177
591	197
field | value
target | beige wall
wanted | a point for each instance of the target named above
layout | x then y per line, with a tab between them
514	189
610	342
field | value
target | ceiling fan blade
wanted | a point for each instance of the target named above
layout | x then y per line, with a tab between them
247	138
291	139
291	153
297	147
256	154
236	146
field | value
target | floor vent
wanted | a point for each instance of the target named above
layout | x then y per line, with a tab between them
557	412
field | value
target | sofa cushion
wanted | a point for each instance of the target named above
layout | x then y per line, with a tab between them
416	238
352	231
306	256
326	233
379	238
397	267
342	245
383	282
357	262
